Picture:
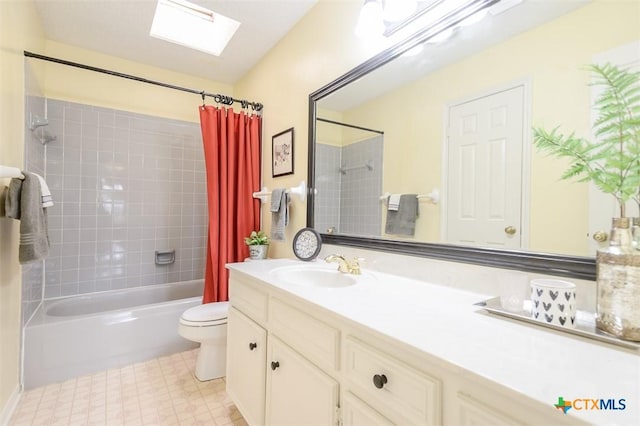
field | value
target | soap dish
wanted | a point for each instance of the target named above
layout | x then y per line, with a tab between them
585	325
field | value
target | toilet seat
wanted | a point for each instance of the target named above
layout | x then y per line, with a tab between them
207	315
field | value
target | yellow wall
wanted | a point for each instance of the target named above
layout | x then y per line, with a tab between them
551	57
77	85
320	48
310	57
19	30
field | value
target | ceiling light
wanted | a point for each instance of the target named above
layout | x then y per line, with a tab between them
370	22
190	25
397	10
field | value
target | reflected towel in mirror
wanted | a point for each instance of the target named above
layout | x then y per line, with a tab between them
403	221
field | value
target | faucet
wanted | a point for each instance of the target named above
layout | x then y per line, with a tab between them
343	264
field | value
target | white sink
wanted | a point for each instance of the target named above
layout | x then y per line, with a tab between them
314	276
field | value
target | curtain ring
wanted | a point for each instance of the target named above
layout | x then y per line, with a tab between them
203	102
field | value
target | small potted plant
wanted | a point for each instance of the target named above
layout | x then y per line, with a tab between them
258	243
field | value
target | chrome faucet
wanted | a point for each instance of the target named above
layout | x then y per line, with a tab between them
343	264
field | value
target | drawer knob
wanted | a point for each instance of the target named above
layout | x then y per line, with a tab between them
274	365
252	346
379	380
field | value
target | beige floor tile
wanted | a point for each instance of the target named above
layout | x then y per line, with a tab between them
158	392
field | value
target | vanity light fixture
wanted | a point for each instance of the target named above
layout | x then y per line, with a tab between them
370	22
187	24
397	10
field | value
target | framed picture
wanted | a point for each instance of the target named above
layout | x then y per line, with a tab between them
282	163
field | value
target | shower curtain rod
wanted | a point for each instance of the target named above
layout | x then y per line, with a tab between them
222	99
350	125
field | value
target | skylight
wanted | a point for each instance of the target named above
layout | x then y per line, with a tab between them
190	25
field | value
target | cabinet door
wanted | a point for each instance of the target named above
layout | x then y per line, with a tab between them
356	413
246	366
298	392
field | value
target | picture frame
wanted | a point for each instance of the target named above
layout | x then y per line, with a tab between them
282	153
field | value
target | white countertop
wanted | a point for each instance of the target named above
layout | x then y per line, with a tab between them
443	322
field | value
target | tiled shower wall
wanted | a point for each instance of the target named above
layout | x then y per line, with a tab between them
349	202
327	202
360	208
124	185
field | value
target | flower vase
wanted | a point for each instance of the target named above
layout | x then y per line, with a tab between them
257	252
618	284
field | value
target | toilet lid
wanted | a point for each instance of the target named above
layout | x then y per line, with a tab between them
207	312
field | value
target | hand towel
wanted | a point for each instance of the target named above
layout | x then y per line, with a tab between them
393	202
12	199
47	200
403	221
279	213
24	202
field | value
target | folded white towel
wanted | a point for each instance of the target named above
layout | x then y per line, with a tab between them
47	200
393	203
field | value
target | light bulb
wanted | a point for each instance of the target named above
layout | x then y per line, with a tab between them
370	23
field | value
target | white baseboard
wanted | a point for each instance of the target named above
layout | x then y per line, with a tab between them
10	406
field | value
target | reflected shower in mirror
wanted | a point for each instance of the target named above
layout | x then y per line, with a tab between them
348	178
457	117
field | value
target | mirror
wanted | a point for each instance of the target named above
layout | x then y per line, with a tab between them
395	113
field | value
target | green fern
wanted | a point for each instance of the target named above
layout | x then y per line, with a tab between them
612	162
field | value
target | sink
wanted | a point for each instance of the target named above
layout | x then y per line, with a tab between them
314	276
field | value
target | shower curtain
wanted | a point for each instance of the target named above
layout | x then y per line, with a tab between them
232	143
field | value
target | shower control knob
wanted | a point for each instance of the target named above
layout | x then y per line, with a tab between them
252	346
274	365
379	380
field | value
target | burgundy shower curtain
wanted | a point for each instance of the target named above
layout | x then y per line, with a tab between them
232	143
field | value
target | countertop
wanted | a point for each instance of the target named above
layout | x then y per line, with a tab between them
443	322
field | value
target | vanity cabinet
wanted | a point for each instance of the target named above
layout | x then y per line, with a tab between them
246	365
298	392
292	362
273	382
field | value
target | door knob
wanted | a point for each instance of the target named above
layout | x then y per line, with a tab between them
600	236
510	230
274	365
252	346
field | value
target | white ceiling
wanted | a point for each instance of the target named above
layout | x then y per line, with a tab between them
121	28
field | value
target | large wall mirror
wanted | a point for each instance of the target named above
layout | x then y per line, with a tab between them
446	115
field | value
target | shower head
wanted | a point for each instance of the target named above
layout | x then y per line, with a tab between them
37	121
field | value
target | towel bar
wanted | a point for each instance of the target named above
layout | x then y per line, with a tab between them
300	191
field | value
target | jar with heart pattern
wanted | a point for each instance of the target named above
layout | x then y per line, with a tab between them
554	302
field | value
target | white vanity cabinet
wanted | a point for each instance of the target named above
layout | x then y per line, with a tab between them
293	362
273	381
246	365
298	392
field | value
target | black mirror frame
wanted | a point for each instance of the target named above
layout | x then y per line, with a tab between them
567	266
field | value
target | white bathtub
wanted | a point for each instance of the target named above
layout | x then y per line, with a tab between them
73	336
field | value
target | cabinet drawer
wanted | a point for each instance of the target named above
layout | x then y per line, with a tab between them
473	412
311	337
356	413
411	393
248	300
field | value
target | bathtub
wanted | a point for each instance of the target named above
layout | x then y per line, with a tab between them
78	335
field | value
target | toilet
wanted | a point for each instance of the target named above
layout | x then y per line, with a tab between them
207	324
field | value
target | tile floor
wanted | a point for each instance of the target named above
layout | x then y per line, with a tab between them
162	391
